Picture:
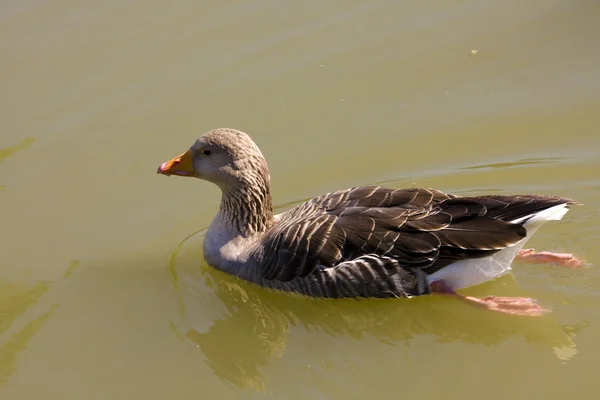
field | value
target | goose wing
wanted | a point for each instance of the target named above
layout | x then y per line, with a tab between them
423	229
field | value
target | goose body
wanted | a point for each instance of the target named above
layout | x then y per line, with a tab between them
366	241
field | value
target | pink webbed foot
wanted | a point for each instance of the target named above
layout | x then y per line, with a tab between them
563	259
521	306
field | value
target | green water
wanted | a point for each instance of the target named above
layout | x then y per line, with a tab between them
103	290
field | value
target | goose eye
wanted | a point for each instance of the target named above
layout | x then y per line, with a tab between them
206	152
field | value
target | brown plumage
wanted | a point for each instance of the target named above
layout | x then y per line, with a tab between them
361	242
422	229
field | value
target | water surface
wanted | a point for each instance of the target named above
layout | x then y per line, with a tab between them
103	289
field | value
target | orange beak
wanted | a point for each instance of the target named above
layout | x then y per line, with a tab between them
181	165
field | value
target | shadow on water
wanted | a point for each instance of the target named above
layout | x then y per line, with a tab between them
6	152
15	300
18	322
241	329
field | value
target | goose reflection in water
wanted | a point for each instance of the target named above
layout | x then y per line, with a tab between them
241	329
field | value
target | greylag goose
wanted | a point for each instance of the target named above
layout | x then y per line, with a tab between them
368	241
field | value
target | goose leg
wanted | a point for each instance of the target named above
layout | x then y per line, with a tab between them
522	306
563	259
